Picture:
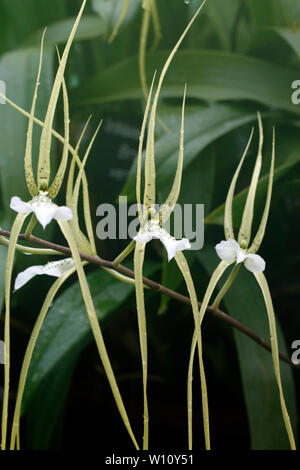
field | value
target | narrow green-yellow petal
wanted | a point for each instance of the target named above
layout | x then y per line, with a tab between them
150	174
228	226
139	254
262	227
30	180
184	268
275	354
58	179
172	198
29	351
120	20
246	224
91	313
15	231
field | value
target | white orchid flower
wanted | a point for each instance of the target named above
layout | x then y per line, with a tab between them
43	208
55	268
231	251
152	230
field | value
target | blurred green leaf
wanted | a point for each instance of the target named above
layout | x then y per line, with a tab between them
89	27
66	330
202	127
245	303
209	75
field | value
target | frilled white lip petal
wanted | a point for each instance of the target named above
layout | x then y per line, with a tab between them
45	210
55	268
18	205
228	250
172	245
255	263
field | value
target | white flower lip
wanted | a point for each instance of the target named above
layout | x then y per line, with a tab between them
55	268
153	231
43	208
231	251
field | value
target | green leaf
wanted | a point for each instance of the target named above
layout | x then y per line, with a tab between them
291	37
221	15
90	26
66	330
202	127
209	75
244	302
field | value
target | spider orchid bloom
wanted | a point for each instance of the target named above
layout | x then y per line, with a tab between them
55	268
43	208
237	251
231	251
152	230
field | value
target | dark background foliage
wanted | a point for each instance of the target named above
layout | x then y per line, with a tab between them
240	56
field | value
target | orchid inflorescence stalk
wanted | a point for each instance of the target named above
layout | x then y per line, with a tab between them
152	220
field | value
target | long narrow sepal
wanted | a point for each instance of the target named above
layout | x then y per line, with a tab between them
58	179
91	313
228	225
30	180
150	174
15	231
139	254
29	351
172	198
184	268
275	354
43	174
262	227
140	152
119	20
246	224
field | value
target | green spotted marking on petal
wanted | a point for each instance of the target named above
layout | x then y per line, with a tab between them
139	254
29	351
172	198
262	227
43	174
185	270
228	226
275	354
246	224
58	179
91	313
30	180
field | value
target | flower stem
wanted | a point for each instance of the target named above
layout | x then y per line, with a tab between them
124	253
30	226
225	288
